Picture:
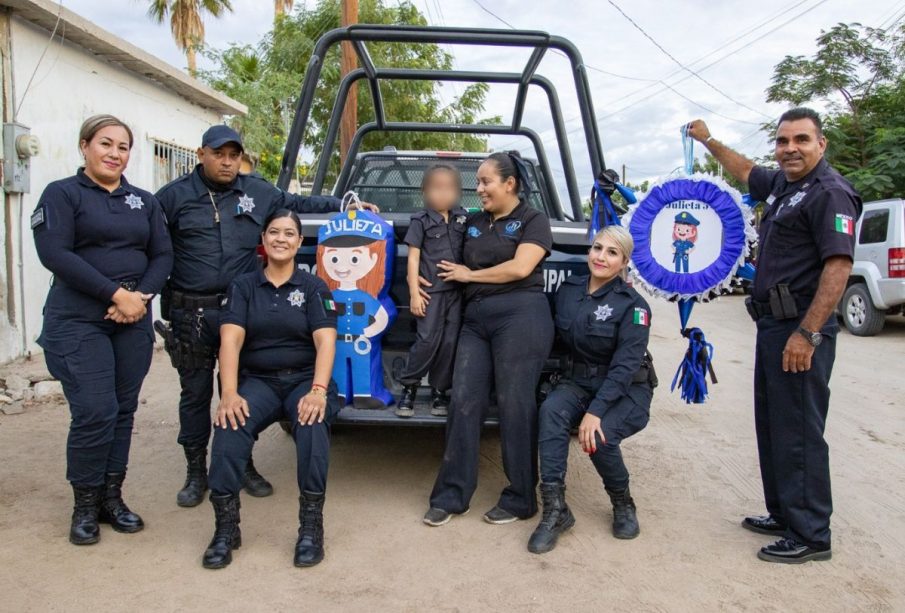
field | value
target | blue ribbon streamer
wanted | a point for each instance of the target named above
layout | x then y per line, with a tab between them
691	376
603	203
688	149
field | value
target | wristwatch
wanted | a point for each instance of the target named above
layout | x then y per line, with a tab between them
814	338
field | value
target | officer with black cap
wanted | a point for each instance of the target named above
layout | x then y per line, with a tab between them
215	215
806	248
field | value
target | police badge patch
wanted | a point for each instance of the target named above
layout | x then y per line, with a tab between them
603	312
246	204
296	298
134	201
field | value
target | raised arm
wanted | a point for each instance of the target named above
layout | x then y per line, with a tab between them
735	163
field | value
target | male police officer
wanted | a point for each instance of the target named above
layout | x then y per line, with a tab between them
215	216
806	250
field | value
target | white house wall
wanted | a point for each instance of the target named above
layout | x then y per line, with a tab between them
69	86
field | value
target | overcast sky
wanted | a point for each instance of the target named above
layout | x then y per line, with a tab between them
639	118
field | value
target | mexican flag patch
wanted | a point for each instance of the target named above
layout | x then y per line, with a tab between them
845	224
329	305
641	317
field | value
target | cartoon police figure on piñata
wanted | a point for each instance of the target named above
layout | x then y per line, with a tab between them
684	236
351	259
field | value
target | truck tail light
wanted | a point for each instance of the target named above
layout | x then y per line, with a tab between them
897	262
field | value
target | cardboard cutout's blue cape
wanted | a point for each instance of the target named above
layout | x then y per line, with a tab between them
358	367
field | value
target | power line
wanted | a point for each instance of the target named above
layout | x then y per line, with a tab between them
680	64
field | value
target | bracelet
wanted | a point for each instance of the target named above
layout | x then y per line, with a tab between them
319	386
317	391
709	138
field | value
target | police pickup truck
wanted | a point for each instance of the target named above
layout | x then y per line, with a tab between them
391	179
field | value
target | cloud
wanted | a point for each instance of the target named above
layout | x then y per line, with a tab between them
642	134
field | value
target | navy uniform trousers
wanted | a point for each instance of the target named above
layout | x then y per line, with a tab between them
196	384
790	412
101	374
564	409
434	350
271	398
504	343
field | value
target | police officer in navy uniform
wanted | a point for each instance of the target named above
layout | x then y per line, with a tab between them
506	337
107	245
215	217
278	341
605	389
806	248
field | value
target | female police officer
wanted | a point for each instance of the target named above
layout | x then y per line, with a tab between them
106	243
606	390
506	337
277	343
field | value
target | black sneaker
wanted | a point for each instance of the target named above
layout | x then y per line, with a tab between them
764	524
499	516
439	403
406	405
438	517
790	551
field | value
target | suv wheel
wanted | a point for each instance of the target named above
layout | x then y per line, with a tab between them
860	315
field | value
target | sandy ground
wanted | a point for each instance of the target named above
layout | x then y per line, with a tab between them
694	476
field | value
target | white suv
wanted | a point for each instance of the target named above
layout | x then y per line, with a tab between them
876	287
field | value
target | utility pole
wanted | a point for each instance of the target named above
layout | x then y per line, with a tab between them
623	174
349	123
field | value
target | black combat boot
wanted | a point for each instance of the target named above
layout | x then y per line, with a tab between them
406	405
625	521
113	510
253	483
439	403
192	493
557	518
309	548
84	529
227	535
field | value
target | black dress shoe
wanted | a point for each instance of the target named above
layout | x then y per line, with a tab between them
764	524
790	551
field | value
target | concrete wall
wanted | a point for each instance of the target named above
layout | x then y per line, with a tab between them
69	86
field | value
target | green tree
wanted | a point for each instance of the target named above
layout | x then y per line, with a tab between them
267	78
860	73
187	22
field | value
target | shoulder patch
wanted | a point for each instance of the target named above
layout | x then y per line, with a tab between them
37	218
641	317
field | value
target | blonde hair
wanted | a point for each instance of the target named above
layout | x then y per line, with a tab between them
624	242
96	123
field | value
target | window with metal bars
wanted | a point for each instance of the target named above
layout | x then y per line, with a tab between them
171	161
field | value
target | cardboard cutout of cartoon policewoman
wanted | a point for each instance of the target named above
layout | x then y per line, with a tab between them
684	236
352	255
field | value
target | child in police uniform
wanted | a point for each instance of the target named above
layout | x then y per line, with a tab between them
435	234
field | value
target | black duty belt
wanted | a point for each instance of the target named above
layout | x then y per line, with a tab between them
760	309
283	372
182	300
582	370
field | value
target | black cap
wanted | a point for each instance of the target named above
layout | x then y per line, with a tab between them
217	136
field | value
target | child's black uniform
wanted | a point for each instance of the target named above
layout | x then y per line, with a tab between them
434	349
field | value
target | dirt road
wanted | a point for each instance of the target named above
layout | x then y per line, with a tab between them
694	474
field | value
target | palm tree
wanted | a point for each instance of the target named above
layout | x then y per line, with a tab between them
187	23
282	7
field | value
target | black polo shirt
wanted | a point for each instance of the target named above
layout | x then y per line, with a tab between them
438	240
216	229
805	222
489	242
92	239
278	321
